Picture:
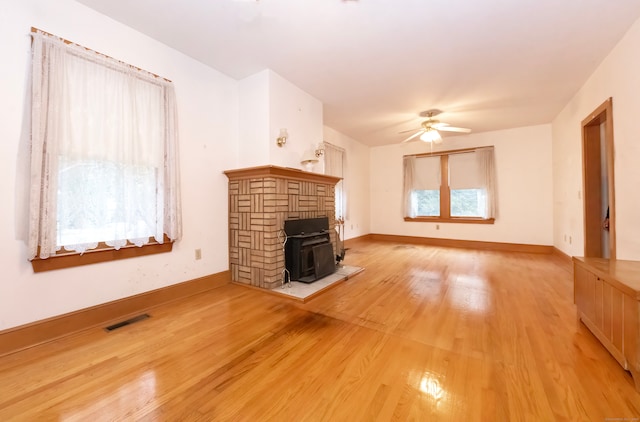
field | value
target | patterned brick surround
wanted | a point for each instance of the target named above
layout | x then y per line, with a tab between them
260	200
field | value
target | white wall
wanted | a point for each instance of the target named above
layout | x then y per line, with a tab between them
208	122
300	114
253	121
523	167
268	103
617	77
357	221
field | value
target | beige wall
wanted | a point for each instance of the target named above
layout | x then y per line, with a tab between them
268	103
523	166
616	77
298	112
208	119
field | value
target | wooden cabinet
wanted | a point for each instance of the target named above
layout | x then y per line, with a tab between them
607	295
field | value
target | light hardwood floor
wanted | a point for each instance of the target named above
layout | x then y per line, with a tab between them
424	333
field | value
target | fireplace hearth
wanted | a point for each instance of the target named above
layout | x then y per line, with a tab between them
309	252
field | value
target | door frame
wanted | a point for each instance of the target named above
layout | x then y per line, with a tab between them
591	179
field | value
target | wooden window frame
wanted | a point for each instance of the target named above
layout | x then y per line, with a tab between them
103	253
445	193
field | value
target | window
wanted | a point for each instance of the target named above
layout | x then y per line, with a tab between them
334	165
466	186
456	186
104	170
467	202
425	190
427	202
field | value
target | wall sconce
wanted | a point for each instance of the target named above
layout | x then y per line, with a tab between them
308	160
319	152
282	138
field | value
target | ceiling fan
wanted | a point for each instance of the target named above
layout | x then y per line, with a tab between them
430	128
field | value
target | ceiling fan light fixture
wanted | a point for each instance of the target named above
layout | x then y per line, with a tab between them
430	135
429	131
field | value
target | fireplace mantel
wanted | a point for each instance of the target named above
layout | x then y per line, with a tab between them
261	199
280	172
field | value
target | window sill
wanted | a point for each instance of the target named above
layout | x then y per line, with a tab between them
103	253
465	220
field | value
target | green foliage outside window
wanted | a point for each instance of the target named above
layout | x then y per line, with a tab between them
464	203
427	202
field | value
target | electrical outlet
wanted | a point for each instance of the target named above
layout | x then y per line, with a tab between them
437	226
198	254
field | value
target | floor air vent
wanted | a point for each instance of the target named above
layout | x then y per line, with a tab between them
126	322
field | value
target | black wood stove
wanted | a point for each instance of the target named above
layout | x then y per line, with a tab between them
309	253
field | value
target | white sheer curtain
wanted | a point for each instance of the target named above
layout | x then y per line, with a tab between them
335	165
486	173
104	152
409	209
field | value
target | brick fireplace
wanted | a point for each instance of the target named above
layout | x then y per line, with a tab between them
260	200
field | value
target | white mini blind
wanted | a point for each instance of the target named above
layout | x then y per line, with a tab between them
427	173
464	172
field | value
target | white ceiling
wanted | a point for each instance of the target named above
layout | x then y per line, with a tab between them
375	64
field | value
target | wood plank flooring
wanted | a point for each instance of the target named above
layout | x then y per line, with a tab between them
424	333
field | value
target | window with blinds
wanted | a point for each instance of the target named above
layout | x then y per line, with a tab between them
426	188
453	185
465	185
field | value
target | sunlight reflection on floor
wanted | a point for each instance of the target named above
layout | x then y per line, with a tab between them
470	293
135	394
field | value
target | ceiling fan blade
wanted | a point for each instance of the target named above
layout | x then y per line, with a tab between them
410	130
454	129
413	136
439	125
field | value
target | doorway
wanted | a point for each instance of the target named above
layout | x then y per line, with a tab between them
598	180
